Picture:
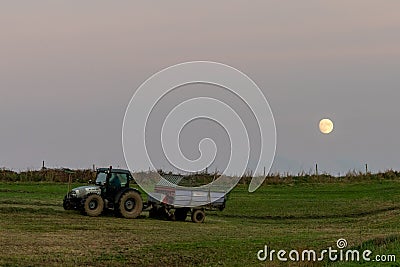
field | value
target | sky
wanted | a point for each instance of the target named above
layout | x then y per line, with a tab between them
68	71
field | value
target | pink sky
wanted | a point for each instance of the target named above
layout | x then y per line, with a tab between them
68	71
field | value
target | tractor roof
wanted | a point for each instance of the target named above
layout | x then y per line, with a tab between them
113	170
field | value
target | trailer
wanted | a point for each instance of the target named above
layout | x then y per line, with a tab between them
175	202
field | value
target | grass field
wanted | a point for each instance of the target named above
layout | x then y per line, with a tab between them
36	231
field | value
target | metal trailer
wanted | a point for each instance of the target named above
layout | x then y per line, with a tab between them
176	203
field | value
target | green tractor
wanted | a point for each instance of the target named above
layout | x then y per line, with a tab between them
111	191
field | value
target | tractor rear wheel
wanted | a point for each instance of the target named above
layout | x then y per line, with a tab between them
93	205
130	205
198	216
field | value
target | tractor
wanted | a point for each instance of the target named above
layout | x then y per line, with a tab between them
111	191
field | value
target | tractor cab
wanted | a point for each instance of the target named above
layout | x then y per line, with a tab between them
111	181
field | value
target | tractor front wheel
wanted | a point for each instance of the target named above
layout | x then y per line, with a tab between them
130	205
67	204
93	205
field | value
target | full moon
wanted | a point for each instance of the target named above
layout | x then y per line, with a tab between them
326	126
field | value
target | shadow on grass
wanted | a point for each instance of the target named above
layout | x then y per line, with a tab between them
305	217
110	213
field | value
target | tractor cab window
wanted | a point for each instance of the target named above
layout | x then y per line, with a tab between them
114	181
123	179
118	180
101	178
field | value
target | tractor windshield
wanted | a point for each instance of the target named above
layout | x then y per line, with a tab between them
101	178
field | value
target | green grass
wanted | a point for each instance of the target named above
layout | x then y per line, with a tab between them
36	231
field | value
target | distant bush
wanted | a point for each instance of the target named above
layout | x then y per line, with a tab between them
47	175
82	176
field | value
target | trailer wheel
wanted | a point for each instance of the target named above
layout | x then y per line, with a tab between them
181	214
198	216
93	205
130	205
153	212
221	208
